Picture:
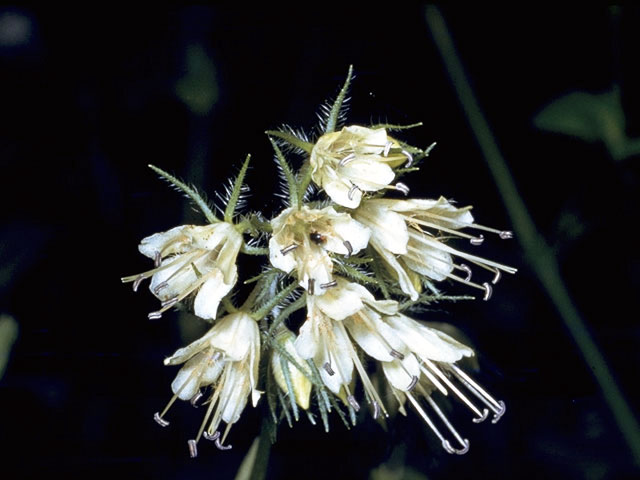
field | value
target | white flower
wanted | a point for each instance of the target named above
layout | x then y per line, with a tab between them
191	258
354	160
227	359
300	383
302	237
409	236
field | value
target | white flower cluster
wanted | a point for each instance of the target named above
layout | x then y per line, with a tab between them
357	261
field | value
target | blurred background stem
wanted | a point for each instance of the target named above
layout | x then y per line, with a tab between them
538	253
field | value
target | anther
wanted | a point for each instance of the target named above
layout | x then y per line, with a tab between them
485	415
169	303
477	240
488	291
506	234
466	268
397	354
219	445
329	284
498	415
403	188
159	287
193	448
327	367
157	259
409	158
387	147
496	277
288	249
376	410
159	420
210	437
414	382
352	401
137	282
194	400
347	245
449	449
352	191
310	285
154	315
347	159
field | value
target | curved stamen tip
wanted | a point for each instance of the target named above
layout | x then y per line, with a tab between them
506	234
414	382
137	282
466	269
396	354
352	191
387	147
195	399
310	285
349	247
477	240
154	315
169	303
288	249
157	259
487	291
485	415
329	284
449	449
159	420
352	401
376	410
497	276
193	448
210	437
347	159
327	367
498	415
403	188
219	445
409	158
159	287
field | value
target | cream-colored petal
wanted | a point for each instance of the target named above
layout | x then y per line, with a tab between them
347	229
235	334
374	336
403	279
339	302
388	228
287	262
401	373
156	243
369	175
341	192
430	262
173	279
235	392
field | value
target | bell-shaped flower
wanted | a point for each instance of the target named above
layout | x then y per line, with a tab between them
409	236
226	359
355	160
189	259
303	237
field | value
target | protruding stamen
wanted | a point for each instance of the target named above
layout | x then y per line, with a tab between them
396	354
310	285
137	282
347	159
498	415
169	303
387	147
210	437
352	401
157	259
376	410
219	445
327	367
352	191
449	449
193	448
288	249
414	382
329	284
488	291
409	158
429	148
159	420
477	240
347	245
155	315
403	188
159	287
195	399
506	234
467	269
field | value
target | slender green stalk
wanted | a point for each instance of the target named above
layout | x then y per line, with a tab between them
536	249
190	192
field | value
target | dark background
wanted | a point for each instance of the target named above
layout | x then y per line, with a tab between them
89	97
